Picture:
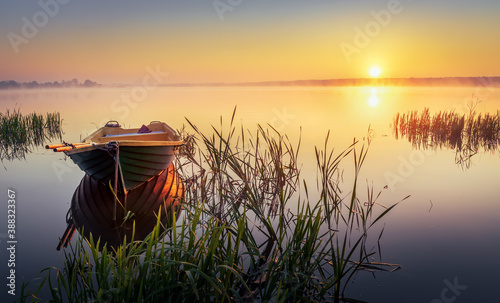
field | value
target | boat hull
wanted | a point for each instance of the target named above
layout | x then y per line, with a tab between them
128	156
92	207
137	164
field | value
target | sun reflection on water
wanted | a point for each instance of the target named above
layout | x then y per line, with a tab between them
373	101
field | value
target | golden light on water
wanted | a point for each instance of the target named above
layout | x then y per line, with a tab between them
373	101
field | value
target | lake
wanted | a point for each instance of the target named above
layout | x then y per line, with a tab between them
445	236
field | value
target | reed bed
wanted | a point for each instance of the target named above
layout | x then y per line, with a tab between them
19	133
467	134
251	231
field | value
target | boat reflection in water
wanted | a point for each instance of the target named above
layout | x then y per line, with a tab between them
92	209
466	134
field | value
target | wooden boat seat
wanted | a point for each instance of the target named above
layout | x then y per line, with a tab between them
152	136
134	134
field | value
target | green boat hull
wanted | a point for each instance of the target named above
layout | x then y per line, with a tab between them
136	164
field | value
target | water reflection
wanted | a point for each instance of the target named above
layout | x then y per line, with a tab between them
373	101
467	134
92	209
20	133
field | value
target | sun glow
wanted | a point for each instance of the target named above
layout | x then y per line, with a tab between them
375	71
373	100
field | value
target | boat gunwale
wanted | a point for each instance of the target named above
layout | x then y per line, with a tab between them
132	143
164	128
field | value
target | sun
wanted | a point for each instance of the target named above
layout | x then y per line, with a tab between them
375	71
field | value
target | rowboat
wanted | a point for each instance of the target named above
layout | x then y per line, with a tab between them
126	157
92	209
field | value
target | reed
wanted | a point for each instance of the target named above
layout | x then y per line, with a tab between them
467	134
251	231
19	133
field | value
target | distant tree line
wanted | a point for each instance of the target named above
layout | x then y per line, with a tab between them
444	81
35	84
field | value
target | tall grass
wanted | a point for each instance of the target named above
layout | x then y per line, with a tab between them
253	231
467	134
20	133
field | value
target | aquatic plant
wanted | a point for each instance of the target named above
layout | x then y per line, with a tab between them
467	134
20	133
252	231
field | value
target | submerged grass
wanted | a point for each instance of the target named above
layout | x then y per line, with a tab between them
252	231
20	133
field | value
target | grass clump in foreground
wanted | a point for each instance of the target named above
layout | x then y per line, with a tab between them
20	133
240	239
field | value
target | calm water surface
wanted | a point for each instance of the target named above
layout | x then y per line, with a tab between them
447	233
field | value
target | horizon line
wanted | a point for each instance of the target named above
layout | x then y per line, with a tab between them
386	81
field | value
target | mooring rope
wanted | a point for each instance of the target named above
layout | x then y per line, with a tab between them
110	147
113	150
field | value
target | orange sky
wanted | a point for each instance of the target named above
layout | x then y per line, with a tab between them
252	41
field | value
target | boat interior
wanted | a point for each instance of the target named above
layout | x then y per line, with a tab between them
156	131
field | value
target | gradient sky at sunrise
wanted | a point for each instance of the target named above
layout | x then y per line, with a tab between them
247	40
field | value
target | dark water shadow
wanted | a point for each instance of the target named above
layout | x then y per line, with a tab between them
20	134
92	209
467	134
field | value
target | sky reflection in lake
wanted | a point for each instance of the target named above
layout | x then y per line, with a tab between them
446	229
